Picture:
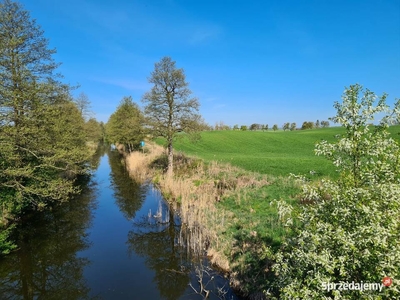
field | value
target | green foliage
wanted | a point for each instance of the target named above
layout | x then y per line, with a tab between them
93	130
251	223
351	228
293	126
307	125
42	142
6	246
126	125
255	126
243	128
286	126
325	124
275	127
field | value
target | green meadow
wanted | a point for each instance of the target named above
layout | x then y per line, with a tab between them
276	153
252	222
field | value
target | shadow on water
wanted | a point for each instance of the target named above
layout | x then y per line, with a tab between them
117	240
157	243
156	236
46	266
129	195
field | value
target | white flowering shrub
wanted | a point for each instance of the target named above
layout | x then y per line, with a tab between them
351	228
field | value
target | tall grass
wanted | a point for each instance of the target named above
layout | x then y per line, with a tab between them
138	163
226	212
226	209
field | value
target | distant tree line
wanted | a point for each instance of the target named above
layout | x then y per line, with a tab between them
265	127
312	125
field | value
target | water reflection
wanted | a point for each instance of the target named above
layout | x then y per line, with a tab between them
152	236
46	266
156	236
102	149
158	245
129	195
117	240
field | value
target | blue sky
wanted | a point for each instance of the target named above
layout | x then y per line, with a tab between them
247	61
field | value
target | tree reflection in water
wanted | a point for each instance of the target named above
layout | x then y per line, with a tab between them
158	244
129	195
154	241
46	265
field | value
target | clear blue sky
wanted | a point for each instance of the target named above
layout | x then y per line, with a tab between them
247	61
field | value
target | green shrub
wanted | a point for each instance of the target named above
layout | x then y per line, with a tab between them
351	227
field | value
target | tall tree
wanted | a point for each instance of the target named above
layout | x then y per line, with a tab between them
41	141
286	126
126	125
93	131
170	109
84	106
275	127
325	124
254	126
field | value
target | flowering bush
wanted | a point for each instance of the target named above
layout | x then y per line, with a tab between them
351	228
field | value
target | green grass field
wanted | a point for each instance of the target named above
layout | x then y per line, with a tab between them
275	153
252	222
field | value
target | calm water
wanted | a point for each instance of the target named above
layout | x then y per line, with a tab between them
118	240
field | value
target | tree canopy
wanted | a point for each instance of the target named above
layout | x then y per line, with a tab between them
42	142
169	107
126	125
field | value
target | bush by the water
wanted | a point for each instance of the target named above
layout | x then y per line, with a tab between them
351	226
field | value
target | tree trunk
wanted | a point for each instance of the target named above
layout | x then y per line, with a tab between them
170	167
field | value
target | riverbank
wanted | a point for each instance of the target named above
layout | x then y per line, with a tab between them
227	211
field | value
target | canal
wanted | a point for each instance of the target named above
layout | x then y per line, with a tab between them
117	240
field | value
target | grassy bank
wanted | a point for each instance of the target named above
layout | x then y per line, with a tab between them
224	209
228	208
275	153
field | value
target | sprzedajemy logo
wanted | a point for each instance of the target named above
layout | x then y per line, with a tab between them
357	286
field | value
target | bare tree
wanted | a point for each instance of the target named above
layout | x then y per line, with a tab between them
168	106
82	102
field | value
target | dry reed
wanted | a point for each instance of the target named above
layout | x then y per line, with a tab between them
138	162
196	192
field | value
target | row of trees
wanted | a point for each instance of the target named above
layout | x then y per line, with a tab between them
42	130
286	126
169	110
312	125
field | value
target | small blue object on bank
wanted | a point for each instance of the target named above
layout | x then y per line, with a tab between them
141	144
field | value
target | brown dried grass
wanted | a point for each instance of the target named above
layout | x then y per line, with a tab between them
195	192
138	162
